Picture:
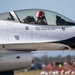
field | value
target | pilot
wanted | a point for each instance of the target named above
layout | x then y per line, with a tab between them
41	19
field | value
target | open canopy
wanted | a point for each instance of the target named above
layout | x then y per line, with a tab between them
30	16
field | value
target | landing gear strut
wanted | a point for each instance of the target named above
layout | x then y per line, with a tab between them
7	73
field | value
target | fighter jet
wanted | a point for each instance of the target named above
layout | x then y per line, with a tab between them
23	31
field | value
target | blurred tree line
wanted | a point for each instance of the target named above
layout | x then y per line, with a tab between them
58	58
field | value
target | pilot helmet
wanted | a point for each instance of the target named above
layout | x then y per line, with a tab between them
40	14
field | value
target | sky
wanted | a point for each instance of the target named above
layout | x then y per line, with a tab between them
64	7
53	53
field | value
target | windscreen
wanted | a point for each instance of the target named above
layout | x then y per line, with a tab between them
6	16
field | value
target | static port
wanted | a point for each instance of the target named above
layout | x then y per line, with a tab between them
18	57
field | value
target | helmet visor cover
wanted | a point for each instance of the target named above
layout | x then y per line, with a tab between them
40	14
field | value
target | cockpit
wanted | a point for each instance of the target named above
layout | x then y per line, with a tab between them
29	16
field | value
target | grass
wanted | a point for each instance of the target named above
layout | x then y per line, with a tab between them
36	72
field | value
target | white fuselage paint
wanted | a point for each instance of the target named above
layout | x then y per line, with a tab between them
25	36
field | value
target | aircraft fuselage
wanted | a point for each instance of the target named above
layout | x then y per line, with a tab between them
25	36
